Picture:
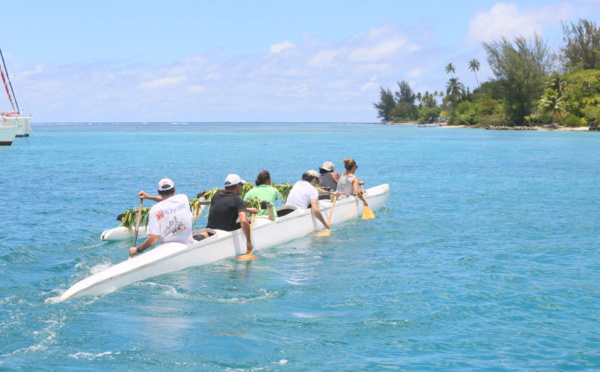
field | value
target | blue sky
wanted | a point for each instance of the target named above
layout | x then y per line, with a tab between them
268	61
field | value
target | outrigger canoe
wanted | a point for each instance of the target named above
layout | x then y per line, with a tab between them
290	224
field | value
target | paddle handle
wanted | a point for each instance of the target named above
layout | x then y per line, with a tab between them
270	211
137	224
331	211
251	226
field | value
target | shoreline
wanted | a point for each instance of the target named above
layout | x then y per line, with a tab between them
533	128
519	128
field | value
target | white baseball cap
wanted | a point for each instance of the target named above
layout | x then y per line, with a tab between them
233	179
165	184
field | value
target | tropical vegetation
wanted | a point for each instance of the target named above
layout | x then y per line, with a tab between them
531	86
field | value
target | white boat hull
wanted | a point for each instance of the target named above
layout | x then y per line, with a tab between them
24	124
7	134
172	257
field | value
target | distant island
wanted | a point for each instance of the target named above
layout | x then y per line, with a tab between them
532	88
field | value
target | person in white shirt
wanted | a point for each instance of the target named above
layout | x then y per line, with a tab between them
304	195
168	221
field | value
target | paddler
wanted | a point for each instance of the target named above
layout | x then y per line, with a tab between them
168	221
263	191
305	195
226	206
329	179
348	183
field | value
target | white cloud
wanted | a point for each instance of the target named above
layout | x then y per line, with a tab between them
508	20
162	82
196	89
311	80
416	72
213	76
377	52
374	50
323	58
277	48
370	85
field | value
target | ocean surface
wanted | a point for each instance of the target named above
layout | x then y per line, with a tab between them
486	256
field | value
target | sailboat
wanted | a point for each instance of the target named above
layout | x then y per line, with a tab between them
12	121
7	134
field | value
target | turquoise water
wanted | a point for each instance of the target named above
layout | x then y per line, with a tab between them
485	258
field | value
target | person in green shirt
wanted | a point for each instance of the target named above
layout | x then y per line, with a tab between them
263	191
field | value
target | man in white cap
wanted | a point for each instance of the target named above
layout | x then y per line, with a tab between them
304	195
168	221
226	207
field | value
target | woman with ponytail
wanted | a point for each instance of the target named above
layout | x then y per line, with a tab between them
348	182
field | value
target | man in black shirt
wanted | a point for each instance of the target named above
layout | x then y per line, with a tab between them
226	207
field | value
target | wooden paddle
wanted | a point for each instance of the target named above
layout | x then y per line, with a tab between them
367	213
249	256
327	232
137	225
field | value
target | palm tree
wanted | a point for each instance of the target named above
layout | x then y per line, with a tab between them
556	83
474	66
454	89
419	97
450	69
551	104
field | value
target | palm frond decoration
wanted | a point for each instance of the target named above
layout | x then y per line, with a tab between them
130	218
195	207
247	187
283	190
253	203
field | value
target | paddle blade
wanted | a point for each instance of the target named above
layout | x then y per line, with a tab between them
247	257
325	232
368	214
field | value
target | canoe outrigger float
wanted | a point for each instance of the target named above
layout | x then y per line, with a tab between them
121	233
292	223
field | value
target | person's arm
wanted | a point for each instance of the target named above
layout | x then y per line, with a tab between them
314	206
149	242
246	229
144	195
252	210
358	194
322	191
335	176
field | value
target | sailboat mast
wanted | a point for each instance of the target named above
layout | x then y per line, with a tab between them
10	97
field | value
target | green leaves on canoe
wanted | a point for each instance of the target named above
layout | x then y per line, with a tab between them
283	190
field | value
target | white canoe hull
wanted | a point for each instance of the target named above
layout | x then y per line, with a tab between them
172	257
